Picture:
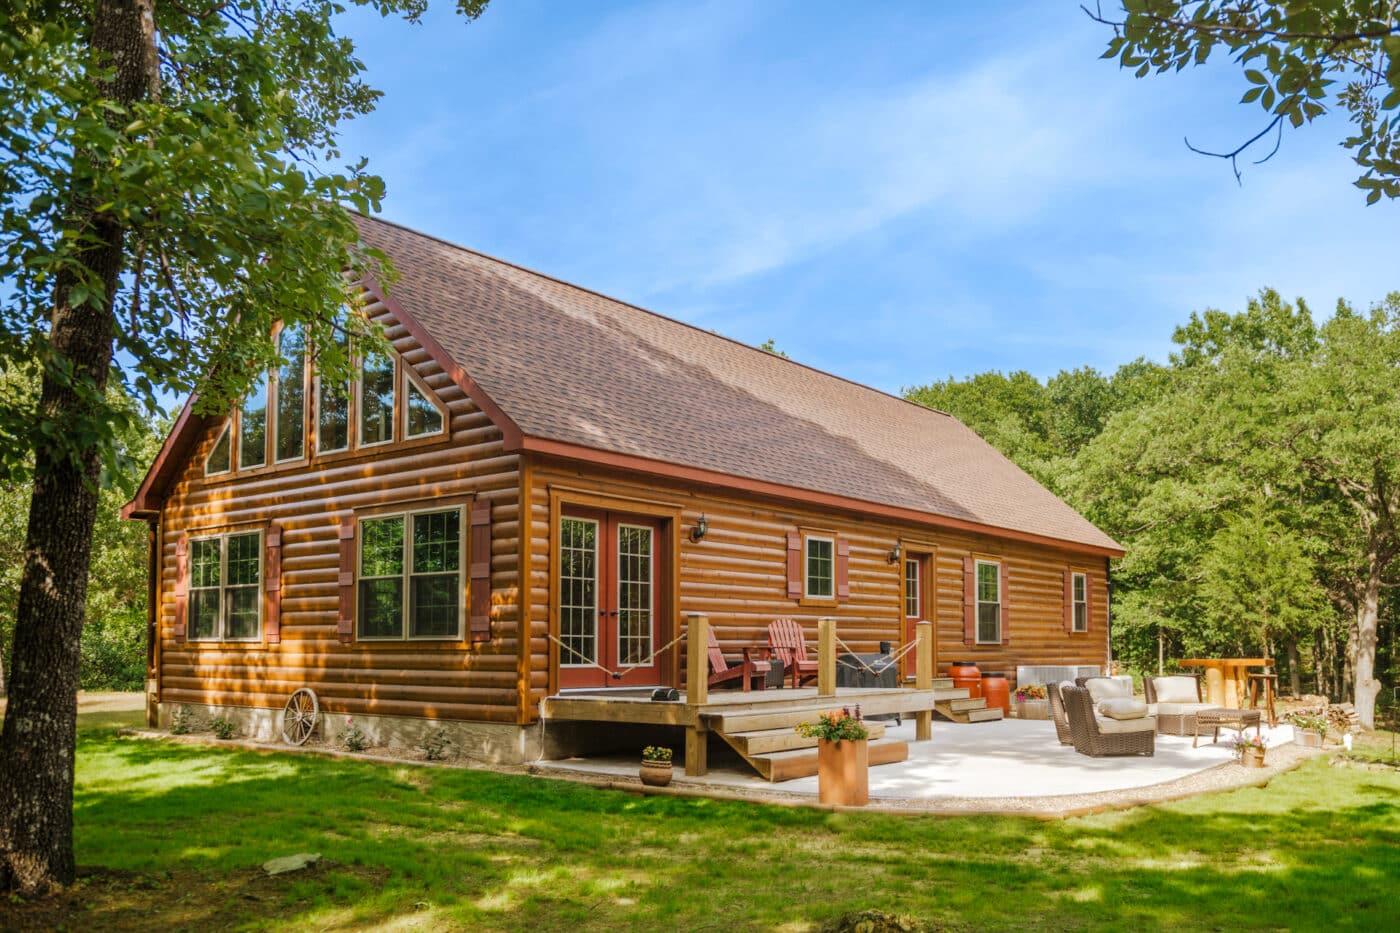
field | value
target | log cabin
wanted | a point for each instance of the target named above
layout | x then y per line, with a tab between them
540	485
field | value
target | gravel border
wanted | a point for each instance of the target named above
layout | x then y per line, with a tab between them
1222	777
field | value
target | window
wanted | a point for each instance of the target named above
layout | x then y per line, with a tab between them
289	429
377	400
911	588
988	603
252	428
1081	602
333	410
410	583
821	567
224	602
219	459
423	417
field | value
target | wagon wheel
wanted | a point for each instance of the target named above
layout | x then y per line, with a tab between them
299	717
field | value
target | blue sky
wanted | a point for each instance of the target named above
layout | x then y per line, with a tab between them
892	192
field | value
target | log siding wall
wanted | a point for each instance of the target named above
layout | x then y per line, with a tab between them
442	680
737	575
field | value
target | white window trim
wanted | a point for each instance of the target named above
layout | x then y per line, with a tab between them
918	587
806	566
407	575
349	415
409	376
360	443
232	454
261	587
274	392
651	608
1076	577
597	562
977	593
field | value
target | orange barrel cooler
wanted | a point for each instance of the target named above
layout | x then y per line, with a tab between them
997	691
966	676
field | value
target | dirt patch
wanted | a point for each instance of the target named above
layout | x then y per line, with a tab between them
107	899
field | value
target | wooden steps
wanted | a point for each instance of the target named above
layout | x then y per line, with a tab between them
802	762
769	740
967	709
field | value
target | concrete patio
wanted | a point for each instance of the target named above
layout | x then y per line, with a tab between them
1008	759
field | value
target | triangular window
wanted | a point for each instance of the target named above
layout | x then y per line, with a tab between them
219	459
424	416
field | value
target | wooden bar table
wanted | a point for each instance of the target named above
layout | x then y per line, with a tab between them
1224	677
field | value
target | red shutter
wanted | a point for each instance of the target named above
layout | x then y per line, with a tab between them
1005	604
1069	601
1088	603
182	584
345	625
969	601
794	565
272	618
480	552
843	568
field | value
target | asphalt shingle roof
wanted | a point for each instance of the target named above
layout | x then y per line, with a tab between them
570	365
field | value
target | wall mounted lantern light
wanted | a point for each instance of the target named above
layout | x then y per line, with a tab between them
894	554
701	527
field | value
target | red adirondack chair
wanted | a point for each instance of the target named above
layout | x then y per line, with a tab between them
752	669
789	647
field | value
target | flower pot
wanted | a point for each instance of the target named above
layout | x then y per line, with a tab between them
1252	757
843	772
656	773
1308	738
1032	709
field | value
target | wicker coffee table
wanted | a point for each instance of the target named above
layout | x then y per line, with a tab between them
1213	719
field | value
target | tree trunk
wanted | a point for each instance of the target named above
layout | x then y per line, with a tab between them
1295	673
1366	687
37	742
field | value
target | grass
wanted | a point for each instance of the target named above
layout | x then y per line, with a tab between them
171	837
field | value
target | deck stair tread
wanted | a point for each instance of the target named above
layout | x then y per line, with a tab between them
767	741
789	714
973	709
802	762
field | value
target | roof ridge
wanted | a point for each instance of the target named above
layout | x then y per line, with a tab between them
636	307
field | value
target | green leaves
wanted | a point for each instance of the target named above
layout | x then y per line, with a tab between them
1291	54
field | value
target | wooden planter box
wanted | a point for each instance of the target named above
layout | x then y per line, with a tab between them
843	772
1032	709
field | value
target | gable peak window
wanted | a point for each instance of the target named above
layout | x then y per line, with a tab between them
220	459
289	426
252	428
333	408
422	417
377	399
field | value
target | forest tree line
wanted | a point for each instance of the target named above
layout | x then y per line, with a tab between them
1253	479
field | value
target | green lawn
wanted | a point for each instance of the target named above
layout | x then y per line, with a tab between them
170	837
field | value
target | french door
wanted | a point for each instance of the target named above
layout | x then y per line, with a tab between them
916	605
609	598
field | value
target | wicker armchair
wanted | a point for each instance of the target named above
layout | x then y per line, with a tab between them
1057	713
1174	718
1099	738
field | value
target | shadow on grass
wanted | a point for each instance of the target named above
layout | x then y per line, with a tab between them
447	847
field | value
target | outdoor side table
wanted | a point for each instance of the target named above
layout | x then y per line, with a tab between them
1213	719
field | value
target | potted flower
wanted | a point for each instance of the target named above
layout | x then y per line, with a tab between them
656	766
1309	729
1032	702
843	756
1251	750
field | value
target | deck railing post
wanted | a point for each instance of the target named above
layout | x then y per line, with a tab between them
923	677
826	657
697	659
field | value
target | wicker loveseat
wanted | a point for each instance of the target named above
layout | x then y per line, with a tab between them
1175	701
1101	737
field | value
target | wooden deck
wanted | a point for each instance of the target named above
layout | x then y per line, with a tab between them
749	722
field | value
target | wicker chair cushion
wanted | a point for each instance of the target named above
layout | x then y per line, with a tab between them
1122	708
1119	726
1180	709
1106	688
1176	689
